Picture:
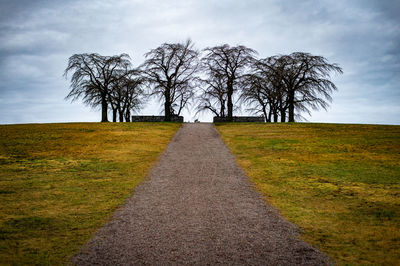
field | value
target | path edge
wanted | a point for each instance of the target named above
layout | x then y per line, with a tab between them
264	198
113	215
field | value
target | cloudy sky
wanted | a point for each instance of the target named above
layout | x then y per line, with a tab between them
38	36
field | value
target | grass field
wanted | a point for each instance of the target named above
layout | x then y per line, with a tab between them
60	182
339	183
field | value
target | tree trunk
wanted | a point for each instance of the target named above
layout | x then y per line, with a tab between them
291	106
121	116
230	104
167	105
114	115
275	116
265	114
283	115
269	116
128	116
104	107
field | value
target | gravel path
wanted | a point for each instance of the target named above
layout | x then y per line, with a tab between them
197	207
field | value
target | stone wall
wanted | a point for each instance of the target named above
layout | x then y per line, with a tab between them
218	119
155	118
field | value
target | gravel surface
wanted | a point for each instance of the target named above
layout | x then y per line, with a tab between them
198	207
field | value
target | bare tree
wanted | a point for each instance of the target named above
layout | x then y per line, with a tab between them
134	96
92	77
126	93
272	71
263	88
229	63
115	96
284	83
273	68
257	93
307	82
181	96
213	95
170	72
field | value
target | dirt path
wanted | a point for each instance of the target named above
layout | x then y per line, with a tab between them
197	208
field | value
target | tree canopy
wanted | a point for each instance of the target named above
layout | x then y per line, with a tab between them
219	79
284	83
224	65
170	71
93	76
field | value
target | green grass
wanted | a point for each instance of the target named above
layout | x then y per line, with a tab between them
339	183
60	182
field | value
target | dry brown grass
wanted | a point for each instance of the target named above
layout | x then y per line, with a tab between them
60	182
339	183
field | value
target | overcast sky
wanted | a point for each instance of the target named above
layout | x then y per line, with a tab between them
38	36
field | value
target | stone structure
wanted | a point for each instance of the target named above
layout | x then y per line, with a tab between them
218	119
155	118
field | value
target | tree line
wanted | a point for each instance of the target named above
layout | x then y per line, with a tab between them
218	79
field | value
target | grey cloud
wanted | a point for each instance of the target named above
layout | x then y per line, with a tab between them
388	9
18	10
37	37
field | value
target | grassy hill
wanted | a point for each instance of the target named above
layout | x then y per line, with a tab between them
339	183
60	182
